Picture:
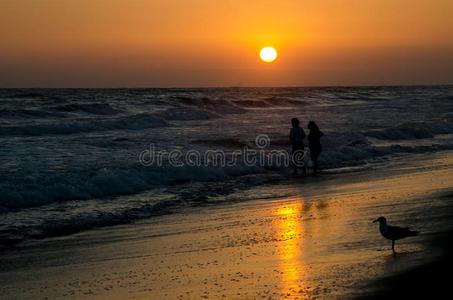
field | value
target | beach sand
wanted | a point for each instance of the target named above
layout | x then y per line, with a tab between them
316	241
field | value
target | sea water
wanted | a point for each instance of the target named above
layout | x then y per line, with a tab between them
75	159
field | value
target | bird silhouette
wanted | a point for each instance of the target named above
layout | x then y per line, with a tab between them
393	233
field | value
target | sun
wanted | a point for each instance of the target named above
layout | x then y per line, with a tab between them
268	54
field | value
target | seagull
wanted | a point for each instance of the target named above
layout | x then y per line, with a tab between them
393	232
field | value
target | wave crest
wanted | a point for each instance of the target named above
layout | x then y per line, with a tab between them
131	122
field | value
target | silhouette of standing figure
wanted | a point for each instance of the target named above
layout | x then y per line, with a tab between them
296	137
314	143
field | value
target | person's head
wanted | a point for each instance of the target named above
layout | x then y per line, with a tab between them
295	122
312	126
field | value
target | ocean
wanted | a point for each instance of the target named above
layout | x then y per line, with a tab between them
76	159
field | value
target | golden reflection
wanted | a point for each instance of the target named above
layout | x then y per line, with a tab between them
290	247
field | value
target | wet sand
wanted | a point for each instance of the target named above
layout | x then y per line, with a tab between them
428	281
317	241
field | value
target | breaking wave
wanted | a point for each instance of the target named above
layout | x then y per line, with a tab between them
133	122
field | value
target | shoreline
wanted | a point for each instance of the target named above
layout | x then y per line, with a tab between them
318	242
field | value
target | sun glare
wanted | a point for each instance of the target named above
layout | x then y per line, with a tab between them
268	54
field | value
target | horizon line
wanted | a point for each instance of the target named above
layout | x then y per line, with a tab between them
238	87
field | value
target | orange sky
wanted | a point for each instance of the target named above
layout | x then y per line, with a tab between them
183	43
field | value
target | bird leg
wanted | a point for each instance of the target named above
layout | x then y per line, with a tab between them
393	246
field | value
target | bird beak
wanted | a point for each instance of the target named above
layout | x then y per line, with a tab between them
375	221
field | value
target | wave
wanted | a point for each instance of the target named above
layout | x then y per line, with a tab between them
252	103
282	101
220	106
59	111
27	113
125	180
106	182
92	108
78	216
188	114
75	219
200	101
73	216
413	130
132	122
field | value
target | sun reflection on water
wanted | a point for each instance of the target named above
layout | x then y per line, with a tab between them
290	248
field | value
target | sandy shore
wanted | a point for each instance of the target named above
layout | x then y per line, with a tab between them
316	241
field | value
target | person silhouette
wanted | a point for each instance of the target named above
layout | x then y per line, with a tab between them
296	137
314	143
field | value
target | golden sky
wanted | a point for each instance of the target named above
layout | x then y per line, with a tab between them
184	43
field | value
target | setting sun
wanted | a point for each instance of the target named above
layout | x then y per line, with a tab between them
268	54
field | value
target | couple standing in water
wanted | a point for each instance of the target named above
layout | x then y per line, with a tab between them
297	137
